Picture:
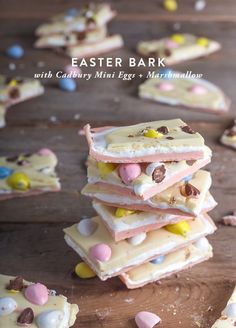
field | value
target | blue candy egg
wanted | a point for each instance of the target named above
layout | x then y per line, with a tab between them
188	178
67	84
158	260
72	12
5	172
15	51
167	72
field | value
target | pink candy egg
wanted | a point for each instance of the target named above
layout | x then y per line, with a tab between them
129	172
171	44
166	86
71	69
37	294
45	152
145	319
101	252
198	90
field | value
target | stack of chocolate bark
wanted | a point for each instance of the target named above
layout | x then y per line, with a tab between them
152	199
81	33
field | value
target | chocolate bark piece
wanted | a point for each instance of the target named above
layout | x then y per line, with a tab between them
26	317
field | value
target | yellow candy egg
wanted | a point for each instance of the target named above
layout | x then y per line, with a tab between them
178	38
19	181
204	42
105	168
180	228
84	271
153	134
12	83
170	5
120	212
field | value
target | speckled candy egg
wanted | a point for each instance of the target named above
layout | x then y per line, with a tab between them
7	306
50	319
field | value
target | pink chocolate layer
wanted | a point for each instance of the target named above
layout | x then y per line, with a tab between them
26	194
159	187
124	277
191	155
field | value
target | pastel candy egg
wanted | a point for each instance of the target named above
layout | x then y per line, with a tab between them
19	181
67	84
180	228
178	38
138	239
69	69
37	294
5	172
105	168
198	90
202	244
166	86
15	51
171	44
230	310
50	319
204	42
165	73
87	227
153	134
7	306
145	319
84	271
121	212
45	152
101	252
158	260
170	5
129	172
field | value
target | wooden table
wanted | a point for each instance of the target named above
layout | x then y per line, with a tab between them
31	238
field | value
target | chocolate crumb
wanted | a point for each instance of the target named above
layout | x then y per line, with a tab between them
188	190
27	155
231	133
172	201
163	130
16	284
14	93
22	162
90	21
187	254
190	162
170	138
167	52
130	136
12	159
81	36
26	317
158	174
187	129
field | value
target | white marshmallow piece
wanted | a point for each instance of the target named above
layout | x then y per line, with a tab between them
7	306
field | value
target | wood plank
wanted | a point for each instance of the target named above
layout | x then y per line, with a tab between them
201	292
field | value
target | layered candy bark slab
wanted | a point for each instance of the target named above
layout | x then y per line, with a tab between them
88	17
171	140
26	304
28	174
185	91
178	48
229	137
143	180
72	38
15	90
123	223
3	109
109	258
228	315
105	45
184	198
167	265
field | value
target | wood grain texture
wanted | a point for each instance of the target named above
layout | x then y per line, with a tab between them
31	238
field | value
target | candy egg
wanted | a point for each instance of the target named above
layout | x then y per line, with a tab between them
84	271
171	44
165	73
19	181
178	38
153	134
67	84
87	227
180	228
204	42
101	252
37	294
202	244
188	178
198	90
230	310
170	5
166	86
45	152
105	168
138	239
145	319
5	172
15	51
120	212
158	260
50	319
129	172
12	83
7	306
